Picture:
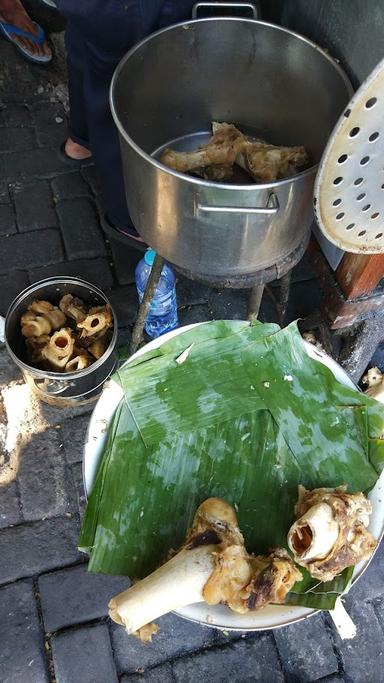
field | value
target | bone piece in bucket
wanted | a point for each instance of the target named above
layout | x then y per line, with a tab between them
56	388
271	83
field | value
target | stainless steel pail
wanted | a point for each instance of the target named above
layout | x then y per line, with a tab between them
268	81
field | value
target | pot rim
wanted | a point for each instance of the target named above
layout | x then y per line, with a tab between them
199	182
64	376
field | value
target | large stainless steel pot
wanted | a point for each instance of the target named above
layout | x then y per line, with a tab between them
264	78
57	388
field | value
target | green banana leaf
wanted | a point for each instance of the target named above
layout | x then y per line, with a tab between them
247	416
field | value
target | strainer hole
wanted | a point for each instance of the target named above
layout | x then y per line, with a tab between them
342	159
361	233
364	161
374	136
366	207
350	226
360	197
339	216
354	131
382	187
375	215
337	202
358	181
338	180
377	237
371	102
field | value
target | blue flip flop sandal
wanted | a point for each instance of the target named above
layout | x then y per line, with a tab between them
9	29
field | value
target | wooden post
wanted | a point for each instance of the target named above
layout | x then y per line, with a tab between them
342	311
358	274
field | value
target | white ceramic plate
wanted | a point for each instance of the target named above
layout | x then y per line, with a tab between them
273	616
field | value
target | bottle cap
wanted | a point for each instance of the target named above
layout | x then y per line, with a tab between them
149	257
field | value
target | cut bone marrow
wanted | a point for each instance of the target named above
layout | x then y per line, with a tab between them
314	534
212	566
330	533
375	380
68	337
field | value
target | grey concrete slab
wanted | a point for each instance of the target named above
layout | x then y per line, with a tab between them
84	655
74	596
22	638
29	549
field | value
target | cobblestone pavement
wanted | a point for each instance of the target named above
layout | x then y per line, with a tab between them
53	622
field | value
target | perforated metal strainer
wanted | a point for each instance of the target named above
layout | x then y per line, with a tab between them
349	187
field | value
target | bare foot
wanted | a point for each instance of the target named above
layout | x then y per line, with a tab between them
75	151
13	12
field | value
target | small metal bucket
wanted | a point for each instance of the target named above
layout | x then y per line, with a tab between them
56	388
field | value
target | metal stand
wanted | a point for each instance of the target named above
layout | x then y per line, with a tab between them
256	282
153	280
285	288
254	302
255	297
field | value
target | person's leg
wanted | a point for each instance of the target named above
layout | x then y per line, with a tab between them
120	30
103	136
13	12
77	145
108	30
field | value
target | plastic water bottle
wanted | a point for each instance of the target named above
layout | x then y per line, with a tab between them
162	316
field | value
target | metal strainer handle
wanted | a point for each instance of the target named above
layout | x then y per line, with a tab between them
225	5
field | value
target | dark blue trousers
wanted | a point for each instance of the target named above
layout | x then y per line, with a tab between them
99	33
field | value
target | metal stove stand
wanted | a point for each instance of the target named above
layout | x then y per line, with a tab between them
255	282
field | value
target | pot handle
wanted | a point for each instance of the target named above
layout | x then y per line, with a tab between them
270	209
52	387
225	5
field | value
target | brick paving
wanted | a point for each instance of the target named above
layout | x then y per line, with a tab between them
53	623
